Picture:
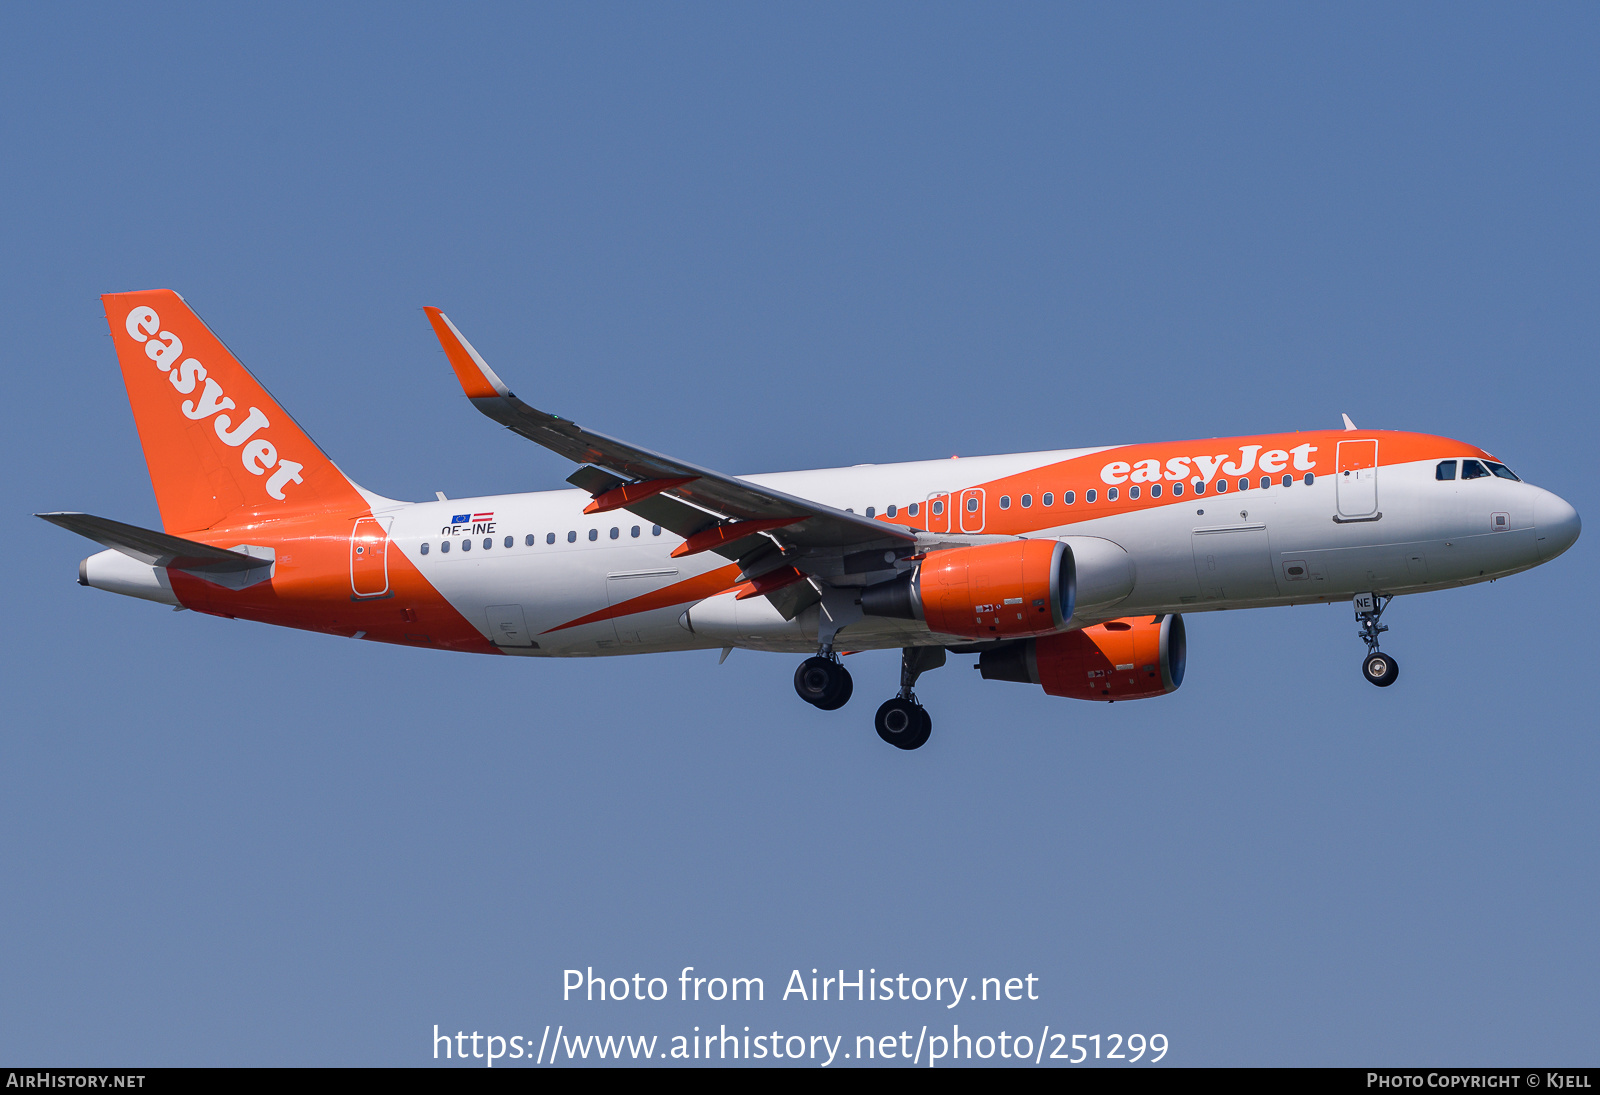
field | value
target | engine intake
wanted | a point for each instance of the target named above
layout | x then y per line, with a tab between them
1006	590
1128	659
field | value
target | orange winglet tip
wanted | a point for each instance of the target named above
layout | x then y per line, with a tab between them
706	539
470	369
621	496
770	582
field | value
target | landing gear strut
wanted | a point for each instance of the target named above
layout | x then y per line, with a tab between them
1379	668
903	722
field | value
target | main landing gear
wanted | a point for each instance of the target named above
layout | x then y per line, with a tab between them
824	683
902	722
1379	668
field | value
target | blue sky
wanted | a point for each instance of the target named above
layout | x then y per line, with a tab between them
766	238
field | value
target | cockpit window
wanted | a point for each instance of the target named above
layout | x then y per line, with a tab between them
1445	470
1502	471
1471	469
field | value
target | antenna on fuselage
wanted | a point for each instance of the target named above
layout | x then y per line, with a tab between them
1349	425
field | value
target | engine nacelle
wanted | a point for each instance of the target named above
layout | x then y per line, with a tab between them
1128	659
1005	590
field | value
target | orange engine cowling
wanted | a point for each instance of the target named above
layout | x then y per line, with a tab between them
1007	590
1119	660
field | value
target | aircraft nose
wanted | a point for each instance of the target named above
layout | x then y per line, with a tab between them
1556	524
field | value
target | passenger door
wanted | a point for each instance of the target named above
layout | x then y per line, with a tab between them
369	557
1358	479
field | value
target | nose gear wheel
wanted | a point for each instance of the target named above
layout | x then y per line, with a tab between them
1379	668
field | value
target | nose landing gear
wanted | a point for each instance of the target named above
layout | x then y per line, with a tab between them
1379	668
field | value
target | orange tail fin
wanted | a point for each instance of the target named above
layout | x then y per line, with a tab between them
220	449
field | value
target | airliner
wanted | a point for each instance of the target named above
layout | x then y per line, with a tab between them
1069	569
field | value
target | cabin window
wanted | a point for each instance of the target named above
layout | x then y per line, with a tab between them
511	541
1199	486
424	549
892	511
615	532
1049	499
1089	496
1266	481
1155	490
1027	501
872	511
972	503
1445	471
1005	503
912	509
1133	493
466	545
634	532
444	546
1288	480
1069	497
655	530
1309	479
1244	484
1177	490
1221	487
938	508
1111	495
594	534
549	537
1471	469
572	536
488	542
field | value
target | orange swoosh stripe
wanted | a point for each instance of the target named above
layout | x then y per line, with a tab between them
690	589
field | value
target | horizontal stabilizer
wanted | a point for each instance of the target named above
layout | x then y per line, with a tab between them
153	548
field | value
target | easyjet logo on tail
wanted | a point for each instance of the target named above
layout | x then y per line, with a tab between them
258	455
1206	467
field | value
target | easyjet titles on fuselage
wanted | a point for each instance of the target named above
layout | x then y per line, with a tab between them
1177	470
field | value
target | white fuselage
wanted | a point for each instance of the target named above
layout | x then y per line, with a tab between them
1276	546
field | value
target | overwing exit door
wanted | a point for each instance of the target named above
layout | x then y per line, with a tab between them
1358	478
973	512
369	557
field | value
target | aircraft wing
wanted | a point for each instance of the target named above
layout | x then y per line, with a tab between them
713	511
